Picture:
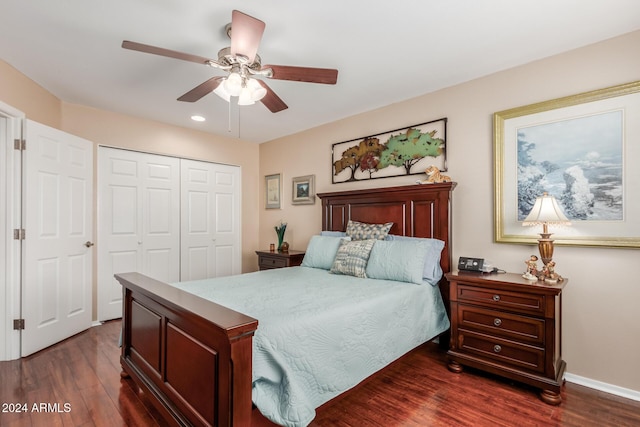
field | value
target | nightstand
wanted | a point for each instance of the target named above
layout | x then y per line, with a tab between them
509	326
268	260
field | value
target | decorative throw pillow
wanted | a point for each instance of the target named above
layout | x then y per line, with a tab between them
363	231
322	251
352	258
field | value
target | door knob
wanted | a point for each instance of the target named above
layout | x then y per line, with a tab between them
88	244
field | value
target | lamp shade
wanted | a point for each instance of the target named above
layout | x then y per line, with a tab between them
222	92
250	90
245	97
257	91
546	211
233	84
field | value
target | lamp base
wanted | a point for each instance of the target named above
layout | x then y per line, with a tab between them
548	273
545	246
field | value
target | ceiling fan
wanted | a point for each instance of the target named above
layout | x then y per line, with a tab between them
242	63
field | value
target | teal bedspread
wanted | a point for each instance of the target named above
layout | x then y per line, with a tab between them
320	334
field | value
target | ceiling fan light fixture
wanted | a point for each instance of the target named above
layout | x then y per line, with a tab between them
246	97
250	91
233	84
222	93
257	91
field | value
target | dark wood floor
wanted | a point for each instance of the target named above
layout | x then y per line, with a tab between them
78	381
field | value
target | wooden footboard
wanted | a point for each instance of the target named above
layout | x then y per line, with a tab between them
192	357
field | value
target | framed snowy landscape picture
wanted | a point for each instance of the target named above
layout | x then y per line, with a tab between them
582	149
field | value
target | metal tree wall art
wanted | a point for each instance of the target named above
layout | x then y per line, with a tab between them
405	151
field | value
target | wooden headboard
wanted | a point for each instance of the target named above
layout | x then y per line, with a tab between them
415	210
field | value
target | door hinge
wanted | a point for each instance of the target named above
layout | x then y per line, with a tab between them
19	144
18	234
18	324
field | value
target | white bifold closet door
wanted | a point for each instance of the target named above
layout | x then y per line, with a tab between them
169	218
210	231
138	221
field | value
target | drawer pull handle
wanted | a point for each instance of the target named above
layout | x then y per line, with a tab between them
497	322
497	348
496	298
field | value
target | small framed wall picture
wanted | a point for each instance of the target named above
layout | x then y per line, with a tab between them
273	191
304	190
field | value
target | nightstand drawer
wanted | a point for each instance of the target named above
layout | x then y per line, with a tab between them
502	351
511	326
496	298
268	262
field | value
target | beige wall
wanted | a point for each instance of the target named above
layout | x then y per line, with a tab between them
25	95
601	319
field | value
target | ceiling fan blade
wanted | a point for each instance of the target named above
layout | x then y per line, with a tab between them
327	76
271	100
246	33
201	90
164	52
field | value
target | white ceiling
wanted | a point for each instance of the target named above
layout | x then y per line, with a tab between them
385	53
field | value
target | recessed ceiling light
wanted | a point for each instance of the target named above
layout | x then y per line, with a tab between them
198	118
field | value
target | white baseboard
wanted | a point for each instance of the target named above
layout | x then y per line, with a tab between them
607	388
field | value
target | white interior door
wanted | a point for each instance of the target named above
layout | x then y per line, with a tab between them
139	221
58	218
210	232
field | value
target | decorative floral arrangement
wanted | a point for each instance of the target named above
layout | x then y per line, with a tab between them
280	229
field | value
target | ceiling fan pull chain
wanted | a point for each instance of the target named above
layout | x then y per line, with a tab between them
229	118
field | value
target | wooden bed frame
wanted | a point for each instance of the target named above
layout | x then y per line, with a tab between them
192	357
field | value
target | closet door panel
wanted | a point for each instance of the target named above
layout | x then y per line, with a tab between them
227	226
197	240
161	217
210	237
139	221
119	226
225	261
225	231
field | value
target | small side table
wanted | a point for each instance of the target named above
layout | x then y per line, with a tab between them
268	260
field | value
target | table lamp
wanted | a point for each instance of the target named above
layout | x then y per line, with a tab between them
546	211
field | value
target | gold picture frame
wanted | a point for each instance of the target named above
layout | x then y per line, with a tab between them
541	135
